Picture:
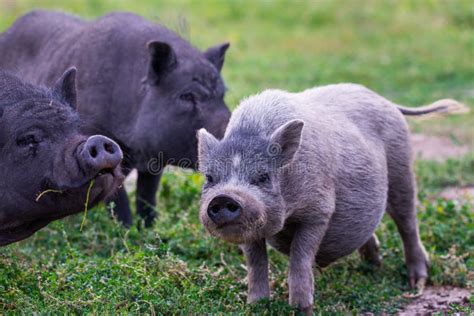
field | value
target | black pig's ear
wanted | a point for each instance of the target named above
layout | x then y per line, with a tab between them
206	143
285	141
65	87
162	60
216	55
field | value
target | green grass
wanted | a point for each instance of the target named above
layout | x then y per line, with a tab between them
412	52
178	268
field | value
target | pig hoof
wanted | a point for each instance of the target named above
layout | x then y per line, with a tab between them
306	310
420	288
149	222
418	269
372	258
369	252
254	299
418	275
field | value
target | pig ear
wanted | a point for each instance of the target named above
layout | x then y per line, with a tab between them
162	60
216	55
206	143
285	141
65	87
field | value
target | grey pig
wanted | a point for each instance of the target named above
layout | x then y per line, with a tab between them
312	173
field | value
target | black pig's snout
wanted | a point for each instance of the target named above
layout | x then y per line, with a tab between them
223	210
101	153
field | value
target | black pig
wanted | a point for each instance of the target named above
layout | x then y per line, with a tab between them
139	84
42	151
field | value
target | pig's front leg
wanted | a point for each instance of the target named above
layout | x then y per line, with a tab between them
303	251
147	185
257	270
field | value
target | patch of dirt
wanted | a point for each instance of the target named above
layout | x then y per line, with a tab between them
436	148
458	193
437	299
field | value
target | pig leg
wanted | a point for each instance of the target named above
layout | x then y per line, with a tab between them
147	185
370	251
303	251
122	207
257	270
401	207
122	210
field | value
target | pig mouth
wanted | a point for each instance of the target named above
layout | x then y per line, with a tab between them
105	183
113	174
237	232
107	180
233	233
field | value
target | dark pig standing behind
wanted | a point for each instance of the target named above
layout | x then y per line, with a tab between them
46	165
139	84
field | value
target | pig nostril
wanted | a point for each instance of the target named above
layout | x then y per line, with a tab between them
93	151
215	209
232	207
109	148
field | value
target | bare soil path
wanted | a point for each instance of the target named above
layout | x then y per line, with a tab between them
438	299
437	148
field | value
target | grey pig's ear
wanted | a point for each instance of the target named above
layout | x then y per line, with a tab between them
285	141
65	87
216	55
162	61
206	143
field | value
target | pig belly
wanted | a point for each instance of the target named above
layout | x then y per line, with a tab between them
347	232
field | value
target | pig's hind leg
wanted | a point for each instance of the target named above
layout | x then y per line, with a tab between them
402	208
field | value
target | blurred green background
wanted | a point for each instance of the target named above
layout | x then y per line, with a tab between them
412	52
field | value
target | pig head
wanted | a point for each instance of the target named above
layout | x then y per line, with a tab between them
46	165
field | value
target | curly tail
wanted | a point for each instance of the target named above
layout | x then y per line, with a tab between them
441	106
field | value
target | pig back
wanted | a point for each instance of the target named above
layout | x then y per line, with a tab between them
34	44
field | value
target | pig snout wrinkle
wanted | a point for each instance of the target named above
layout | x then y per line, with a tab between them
223	210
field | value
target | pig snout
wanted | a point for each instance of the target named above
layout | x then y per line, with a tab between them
101	153
223	210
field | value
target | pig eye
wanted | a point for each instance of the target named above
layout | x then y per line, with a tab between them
261	179
209	179
188	97
27	141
